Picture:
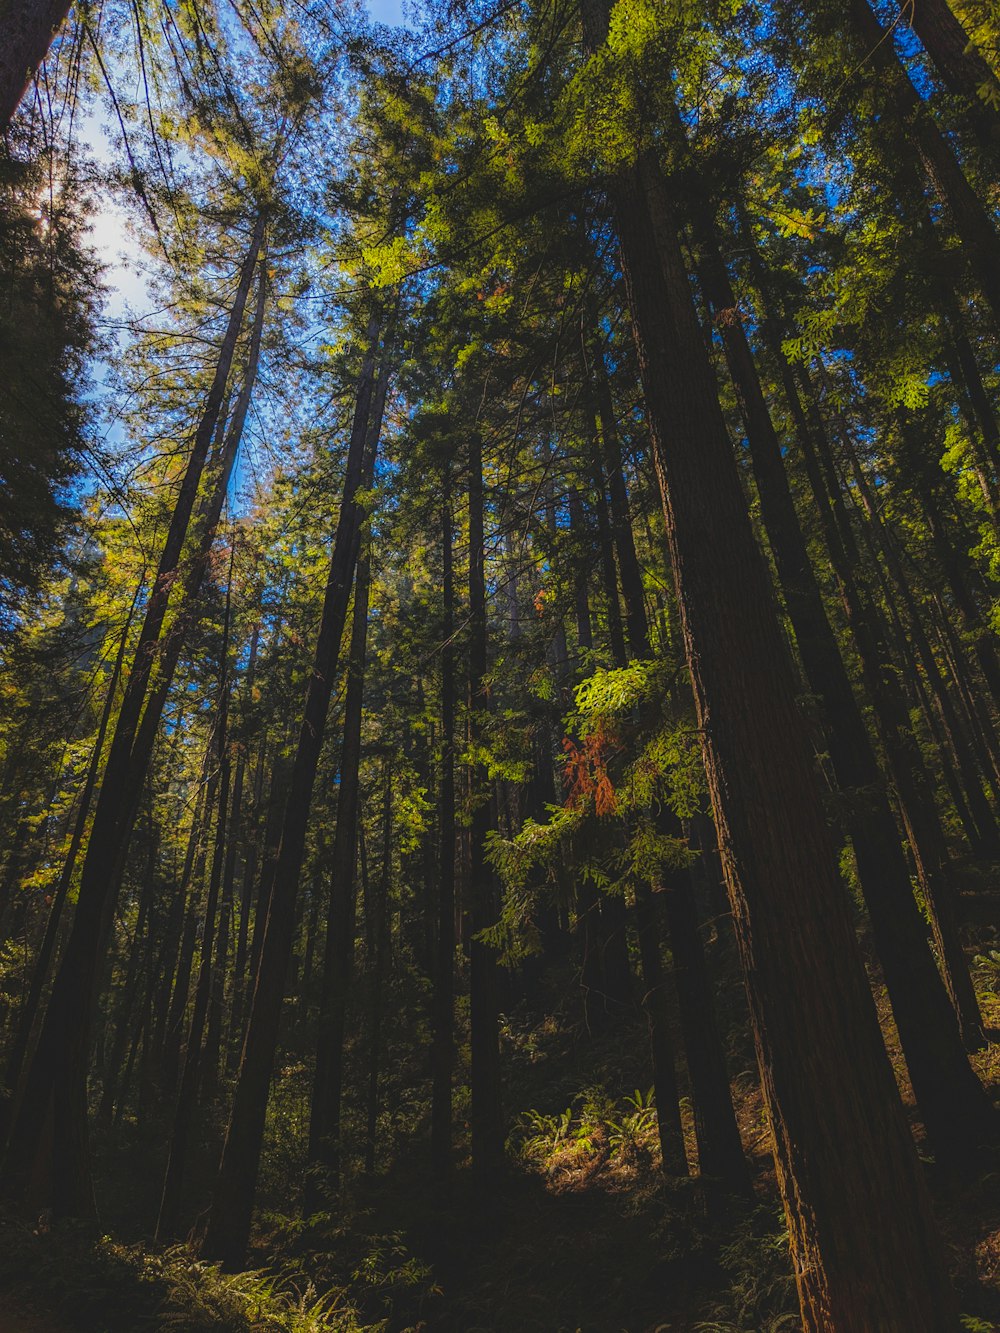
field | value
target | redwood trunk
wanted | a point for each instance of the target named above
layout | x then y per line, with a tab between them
847	1170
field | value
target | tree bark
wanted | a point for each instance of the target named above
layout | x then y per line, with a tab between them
27	28
847	1170
952	1101
962	69
229	1222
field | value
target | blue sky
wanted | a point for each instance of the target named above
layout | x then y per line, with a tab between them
386	11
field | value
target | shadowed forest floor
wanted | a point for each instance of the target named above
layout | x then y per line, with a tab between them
581	1236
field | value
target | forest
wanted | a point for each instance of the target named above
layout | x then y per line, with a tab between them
499	666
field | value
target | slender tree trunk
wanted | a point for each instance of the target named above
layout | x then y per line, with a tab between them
229	1222
486	1110
224	857
581	599
954	1105
53	1105
607	928
338	957
138	958
979	1121
443	1050
192	882
240	963
187	1098
40	972
654	1003
379	933
720	1149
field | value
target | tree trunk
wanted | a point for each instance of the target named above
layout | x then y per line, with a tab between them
962	69
952	1101
229	1222
378	932
240	965
54	1094
970	220
654	1002
338	958
978	1121
40	972
224	857
187	1097
486	1114
27	28
842	1147
194	875
443	1050
720	1149
719	1146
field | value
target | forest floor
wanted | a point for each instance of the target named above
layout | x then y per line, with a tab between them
581	1235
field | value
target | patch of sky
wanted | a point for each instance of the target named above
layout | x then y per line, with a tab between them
389	12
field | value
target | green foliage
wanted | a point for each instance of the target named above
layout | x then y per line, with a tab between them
613	692
48	293
761	1296
987	966
593	1124
389	1267
650	853
535	846
98	1283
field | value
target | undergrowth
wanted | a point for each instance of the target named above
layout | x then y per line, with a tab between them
95	1284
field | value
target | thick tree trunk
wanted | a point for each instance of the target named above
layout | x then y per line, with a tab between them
952	1102
962	69
847	1170
27	28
